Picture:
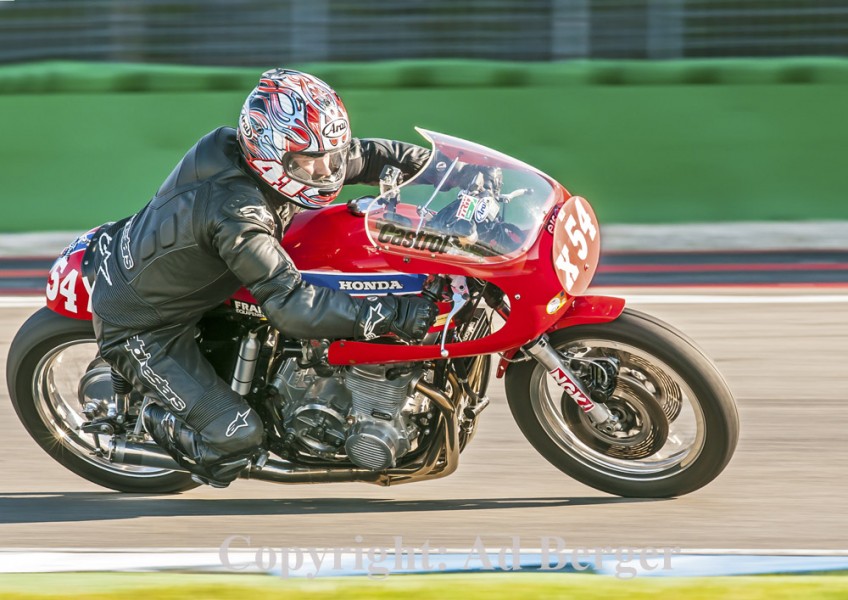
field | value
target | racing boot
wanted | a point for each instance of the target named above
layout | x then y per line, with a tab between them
187	447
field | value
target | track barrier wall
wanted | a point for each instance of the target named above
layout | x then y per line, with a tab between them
644	141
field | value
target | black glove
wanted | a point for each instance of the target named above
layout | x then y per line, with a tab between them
408	317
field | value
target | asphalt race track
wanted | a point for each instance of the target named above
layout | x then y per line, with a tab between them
786	488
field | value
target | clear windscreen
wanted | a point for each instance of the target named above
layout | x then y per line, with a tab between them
469	203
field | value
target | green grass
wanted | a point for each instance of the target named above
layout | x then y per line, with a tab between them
158	586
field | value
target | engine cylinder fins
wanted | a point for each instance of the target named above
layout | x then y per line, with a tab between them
374	446
370	390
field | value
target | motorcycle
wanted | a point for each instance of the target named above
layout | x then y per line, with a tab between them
612	397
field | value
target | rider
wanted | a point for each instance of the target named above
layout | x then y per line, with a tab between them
215	225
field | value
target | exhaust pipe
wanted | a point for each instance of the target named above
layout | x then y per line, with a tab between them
141	455
430	466
150	455
280	472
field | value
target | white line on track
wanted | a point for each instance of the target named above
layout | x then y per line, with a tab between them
40	560
22	301
715	562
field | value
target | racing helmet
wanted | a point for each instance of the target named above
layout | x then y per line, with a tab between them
294	133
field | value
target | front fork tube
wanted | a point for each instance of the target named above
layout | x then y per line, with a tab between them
557	368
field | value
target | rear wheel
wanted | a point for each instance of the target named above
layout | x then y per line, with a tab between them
52	371
679	424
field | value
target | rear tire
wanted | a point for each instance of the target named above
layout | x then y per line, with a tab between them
642	340
35	372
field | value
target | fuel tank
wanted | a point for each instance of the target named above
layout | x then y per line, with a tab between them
331	249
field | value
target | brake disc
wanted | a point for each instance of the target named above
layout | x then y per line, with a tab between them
644	424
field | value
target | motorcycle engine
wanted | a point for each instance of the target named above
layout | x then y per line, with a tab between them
362	412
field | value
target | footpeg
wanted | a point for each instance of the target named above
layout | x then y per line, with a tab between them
102	426
261	460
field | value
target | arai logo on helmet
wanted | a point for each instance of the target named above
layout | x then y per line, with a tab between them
335	129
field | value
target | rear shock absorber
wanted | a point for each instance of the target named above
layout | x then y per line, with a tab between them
121	388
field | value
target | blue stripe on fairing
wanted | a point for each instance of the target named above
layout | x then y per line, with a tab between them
78	245
361	284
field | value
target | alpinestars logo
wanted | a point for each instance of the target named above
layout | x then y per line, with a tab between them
125	245
239	422
135	346
257	213
103	247
375	317
251	310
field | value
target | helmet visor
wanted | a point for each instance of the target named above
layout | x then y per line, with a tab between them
317	169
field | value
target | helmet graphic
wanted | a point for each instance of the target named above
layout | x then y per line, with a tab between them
294	132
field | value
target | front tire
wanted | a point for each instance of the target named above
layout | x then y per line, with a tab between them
668	385
47	360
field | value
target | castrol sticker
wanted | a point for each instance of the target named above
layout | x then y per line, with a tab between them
467	206
577	244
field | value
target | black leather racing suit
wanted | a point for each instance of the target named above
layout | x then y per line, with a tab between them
211	228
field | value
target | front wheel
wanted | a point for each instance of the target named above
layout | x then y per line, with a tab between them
680	424
53	371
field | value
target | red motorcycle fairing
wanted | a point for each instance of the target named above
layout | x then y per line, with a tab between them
583	310
540	268
330	248
539	281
